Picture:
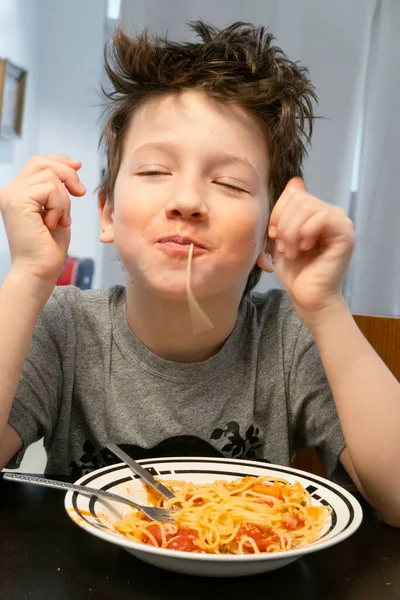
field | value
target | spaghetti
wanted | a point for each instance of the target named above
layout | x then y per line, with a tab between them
244	516
200	321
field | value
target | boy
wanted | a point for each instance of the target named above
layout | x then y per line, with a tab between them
205	144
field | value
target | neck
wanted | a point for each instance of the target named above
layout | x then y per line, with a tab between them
165	326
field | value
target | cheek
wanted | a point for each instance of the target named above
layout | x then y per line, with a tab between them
132	213
243	233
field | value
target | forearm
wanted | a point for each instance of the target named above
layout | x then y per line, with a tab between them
367	397
22	299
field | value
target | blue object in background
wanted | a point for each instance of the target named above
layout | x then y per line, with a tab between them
84	275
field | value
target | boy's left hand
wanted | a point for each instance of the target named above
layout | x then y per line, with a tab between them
313	246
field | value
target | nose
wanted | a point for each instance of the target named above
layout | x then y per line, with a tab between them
187	204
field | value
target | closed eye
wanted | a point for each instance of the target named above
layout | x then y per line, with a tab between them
151	173
158	173
232	187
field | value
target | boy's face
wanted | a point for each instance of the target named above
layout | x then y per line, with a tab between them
180	153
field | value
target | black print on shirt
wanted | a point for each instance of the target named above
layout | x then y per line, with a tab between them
181	445
237	446
93	457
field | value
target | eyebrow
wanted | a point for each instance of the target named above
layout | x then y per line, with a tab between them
221	158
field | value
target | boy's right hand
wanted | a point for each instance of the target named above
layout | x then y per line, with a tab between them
36	212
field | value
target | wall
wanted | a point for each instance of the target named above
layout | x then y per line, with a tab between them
110	269
71	55
61	46
19	42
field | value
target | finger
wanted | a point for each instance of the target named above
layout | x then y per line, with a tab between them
34	161
62	158
48	176
69	177
325	226
315	229
62	236
295	185
44	176
65	220
64	172
54	218
289	227
54	197
278	209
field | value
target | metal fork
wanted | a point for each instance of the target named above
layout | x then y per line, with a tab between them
155	514
139	470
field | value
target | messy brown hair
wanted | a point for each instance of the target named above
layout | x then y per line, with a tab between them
240	65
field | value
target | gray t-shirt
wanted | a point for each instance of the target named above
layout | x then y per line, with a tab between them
88	380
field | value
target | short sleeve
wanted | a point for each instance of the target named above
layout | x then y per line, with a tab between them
35	408
315	422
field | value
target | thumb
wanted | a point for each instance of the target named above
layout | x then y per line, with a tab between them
62	237
296	184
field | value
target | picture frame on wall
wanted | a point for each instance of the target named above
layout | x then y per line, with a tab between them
12	98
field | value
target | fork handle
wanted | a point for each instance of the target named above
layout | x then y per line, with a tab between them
62	485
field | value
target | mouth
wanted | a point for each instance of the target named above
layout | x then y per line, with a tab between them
179	243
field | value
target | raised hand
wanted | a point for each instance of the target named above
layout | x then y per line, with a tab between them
313	246
35	208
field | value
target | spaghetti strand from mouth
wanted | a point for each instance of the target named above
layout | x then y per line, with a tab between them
200	321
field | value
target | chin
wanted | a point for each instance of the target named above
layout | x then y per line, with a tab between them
174	293
161	286
171	284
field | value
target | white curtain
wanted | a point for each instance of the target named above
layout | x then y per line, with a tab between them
373	285
352	51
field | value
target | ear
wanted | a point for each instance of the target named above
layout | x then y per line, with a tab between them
266	258
106	218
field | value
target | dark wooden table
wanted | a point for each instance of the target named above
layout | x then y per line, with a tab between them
44	556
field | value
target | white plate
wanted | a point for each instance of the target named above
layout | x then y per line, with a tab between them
346	512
